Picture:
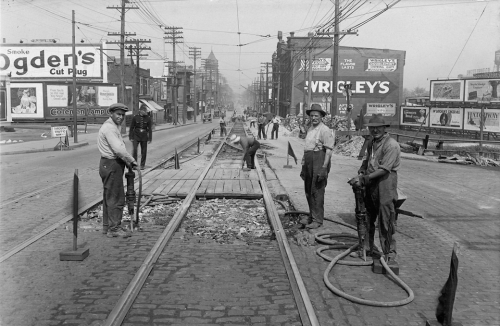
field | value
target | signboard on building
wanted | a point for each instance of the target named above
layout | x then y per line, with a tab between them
319	64
26	100
477	90
447	90
413	116
491	120
385	109
381	64
450	118
49	61
57	95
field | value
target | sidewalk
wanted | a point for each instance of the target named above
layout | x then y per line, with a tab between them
48	145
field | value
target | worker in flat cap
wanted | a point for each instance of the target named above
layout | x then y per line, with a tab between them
378	174
250	146
318	148
114	158
141	133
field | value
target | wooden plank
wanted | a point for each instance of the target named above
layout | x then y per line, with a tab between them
196	174
219	186
210	174
169	187
211	186
153	174
243	187
236	186
153	185
249	187
235	174
245	175
228	187
165	185
182	173
161	186
256	187
167	174
203	187
184	190
176	188
218	174
253	175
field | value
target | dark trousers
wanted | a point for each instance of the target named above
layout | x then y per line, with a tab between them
144	150
111	172
263	130
250	157
275	130
380	201
223	131
315	191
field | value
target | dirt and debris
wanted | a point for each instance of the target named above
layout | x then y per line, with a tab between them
351	147
468	160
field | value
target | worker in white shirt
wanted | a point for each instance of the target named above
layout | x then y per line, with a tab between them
276	124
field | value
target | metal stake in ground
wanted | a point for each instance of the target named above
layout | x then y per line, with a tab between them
177	165
75	253
198	152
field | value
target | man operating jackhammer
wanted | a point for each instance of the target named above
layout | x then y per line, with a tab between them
319	143
378	175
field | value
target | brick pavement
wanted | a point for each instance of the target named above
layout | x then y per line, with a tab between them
461	205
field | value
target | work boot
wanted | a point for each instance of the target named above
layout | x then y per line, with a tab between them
119	233
104	229
374	253
313	225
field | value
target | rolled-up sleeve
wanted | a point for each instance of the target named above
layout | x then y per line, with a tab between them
326	137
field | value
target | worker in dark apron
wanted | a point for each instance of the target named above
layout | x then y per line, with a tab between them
378	174
319	143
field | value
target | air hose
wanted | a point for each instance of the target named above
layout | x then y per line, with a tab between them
350	242
139	195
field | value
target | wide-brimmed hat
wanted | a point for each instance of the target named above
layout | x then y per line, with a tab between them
377	121
117	106
234	139
316	107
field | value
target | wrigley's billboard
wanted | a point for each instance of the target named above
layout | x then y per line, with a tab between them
49	61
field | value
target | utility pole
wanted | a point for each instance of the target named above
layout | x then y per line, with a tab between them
122	9
310	63
266	88
75	114
261	92
184	96
335	61
174	36
137	51
195	53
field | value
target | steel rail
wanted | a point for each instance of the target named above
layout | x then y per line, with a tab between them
120	310
81	210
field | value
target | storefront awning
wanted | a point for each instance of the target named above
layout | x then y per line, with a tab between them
190	109
157	106
150	107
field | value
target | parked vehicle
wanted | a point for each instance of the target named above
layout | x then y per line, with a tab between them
207	117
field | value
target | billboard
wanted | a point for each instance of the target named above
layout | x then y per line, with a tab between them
449	118
49	61
26	100
447	90
414	116
491	120
320	64
385	109
482	90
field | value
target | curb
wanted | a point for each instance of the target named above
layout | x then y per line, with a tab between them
45	150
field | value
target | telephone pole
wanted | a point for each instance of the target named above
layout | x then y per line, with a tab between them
122	9
174	36
195	53
261	97
137	51
266	89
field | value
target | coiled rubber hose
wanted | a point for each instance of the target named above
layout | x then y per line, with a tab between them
345	241
139	195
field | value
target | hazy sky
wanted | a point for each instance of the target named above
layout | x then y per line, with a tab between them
441	38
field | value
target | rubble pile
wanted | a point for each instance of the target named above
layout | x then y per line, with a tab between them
351	147
338	123
227	221
468	160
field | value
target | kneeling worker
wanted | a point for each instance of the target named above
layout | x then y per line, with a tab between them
114	157
250	146
316	165
378	174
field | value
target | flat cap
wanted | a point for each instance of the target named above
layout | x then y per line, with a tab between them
117	106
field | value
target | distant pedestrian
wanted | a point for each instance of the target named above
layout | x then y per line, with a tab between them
250	146
318	147
276	124
261	122
252	121
114	157
222	124
378	174
141	133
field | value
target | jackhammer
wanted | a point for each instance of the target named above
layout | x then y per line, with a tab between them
130	197
361	220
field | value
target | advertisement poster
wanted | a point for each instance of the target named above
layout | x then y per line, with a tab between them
379	64
163	91
413	116
447	90
482	90
491	120
85	96
385	109
107	95
50	61
57	95
450	118
319	64
26	100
